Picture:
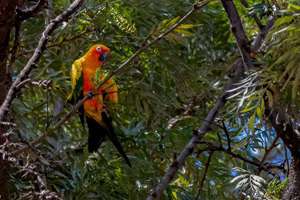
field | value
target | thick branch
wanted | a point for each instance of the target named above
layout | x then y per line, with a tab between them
36	55
238	31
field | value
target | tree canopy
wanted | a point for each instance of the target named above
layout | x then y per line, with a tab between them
208	109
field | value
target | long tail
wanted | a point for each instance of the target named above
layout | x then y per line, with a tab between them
113	137
98	133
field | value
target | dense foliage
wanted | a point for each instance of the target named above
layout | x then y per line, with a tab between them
185	71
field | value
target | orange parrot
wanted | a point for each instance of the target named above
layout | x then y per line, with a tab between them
86	75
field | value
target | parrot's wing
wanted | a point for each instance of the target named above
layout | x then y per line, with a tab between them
76	83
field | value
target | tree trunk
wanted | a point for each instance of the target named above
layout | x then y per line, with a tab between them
7	19
292	191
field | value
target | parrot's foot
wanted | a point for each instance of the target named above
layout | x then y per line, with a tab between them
90	94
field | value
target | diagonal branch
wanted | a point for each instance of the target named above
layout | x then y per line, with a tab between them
273	145
36	55
238	31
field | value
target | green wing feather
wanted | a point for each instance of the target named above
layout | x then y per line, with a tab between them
76	83
76	80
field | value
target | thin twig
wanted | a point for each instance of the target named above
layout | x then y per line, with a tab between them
184	115
36	55
56	126
267	152
39	83
256	19
227	136
204	174
8	124
215	147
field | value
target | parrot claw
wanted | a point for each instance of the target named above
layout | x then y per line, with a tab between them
90	94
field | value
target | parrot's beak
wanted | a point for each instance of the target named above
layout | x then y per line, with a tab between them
104	57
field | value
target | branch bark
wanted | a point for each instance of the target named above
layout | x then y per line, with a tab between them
238	31
24	14
7	18
287	131
36	55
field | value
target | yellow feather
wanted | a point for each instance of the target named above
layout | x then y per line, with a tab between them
76	72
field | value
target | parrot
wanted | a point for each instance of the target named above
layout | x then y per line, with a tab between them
86	76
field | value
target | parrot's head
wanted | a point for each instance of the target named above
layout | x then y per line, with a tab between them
100	52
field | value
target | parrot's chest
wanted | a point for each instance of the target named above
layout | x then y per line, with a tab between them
92	80
90	83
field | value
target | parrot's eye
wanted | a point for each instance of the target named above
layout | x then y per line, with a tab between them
98	49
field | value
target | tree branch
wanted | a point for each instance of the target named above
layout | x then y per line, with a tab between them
204	174
238	31
257	43
227	136
32	11
188	109
215	147
36	55
273	145
256	19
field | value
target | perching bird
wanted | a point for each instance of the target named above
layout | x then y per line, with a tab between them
86	76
